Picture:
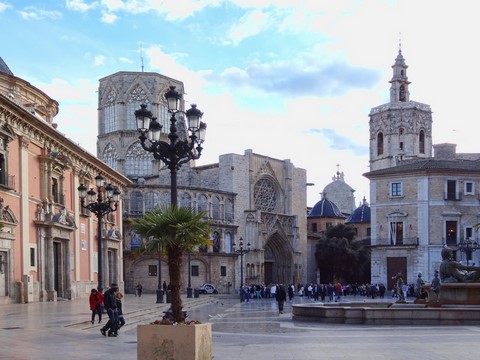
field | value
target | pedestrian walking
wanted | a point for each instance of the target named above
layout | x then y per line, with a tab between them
110	302
139	289
96	305
281	297
121	319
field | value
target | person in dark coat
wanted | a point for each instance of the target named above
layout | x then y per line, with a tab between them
110	303
281	297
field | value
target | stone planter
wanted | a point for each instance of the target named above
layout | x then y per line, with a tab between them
166	342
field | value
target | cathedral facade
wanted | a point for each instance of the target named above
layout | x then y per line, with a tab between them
250	199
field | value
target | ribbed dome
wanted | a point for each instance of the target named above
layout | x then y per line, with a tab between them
360	214
326	208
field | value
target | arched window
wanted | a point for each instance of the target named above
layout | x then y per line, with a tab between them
110	113
165	198
186	200
138	162
216	241
228	243
136	203
402	96
380	144
151	201
202	204
136	98
229	210
421	142
216	208
109	156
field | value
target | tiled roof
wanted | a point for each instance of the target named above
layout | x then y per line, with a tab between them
326	208
4	68
359	215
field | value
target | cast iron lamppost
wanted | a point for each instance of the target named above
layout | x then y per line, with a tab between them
106	202
176	151
468	247
242	252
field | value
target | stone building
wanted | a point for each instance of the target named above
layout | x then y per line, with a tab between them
48	244
419	202
251	198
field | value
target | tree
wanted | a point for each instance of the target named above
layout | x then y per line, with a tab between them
177	230
341	257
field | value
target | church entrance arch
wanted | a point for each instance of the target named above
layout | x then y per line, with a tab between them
278	260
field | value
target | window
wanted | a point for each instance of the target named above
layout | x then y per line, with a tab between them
195	270
451	232
152	270
468	233
421	142
223	271
32	256
451	192
380	144
110	156
369	231
314	227
469	188
216	241
396	233
396	189
138	162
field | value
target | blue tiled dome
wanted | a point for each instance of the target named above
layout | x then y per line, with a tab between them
360	214
326	208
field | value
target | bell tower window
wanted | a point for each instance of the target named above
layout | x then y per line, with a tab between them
380	144
421	142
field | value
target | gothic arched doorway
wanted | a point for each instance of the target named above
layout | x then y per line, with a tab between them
278	261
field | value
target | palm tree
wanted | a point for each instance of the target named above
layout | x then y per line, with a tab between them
177	230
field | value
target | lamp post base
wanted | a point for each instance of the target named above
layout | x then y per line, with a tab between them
189	292
159	296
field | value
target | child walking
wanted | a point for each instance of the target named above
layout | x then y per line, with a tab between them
121	319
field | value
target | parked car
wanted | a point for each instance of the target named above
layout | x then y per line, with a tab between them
208	289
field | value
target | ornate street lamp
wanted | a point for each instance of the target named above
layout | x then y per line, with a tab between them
176	151
468	247
105	203
242	252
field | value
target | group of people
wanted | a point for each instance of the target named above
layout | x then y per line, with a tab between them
111	302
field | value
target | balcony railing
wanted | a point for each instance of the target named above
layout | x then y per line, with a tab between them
412	241
452	196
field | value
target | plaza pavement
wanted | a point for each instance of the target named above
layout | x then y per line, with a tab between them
254	330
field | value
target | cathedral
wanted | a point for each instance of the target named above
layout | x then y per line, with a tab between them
251	199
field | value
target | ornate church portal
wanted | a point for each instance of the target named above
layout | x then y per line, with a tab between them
278	261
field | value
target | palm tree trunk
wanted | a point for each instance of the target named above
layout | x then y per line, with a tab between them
175	260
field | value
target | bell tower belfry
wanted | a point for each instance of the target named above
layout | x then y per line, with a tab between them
400	130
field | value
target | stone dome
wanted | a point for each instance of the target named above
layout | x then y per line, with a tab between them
341	193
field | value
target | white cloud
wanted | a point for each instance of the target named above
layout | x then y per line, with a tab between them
109	18
31	13
80	5
99	60
248	25
4	7
125	60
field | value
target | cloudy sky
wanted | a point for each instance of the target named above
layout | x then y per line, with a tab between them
288	79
